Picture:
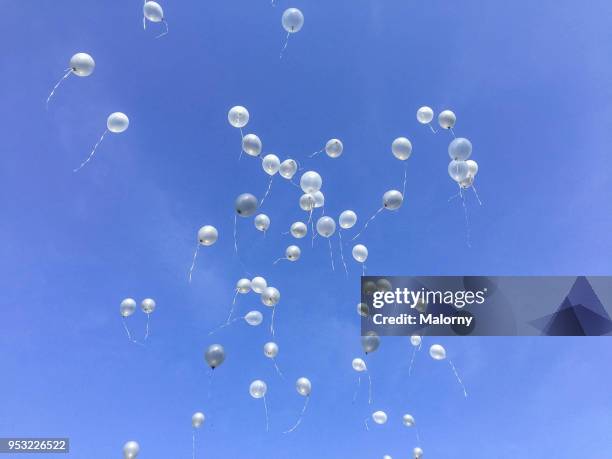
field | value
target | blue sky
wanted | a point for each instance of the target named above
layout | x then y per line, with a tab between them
529	83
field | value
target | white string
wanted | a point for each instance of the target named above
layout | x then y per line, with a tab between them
366	424
126	328
432	129
147	330
93	152
358	387
299	421
476	194
405	179
66	75
467	221
267	192
418	437
452	132
342	251
367	223
279	259
266	408
280	373
369	388
363	269
412	360
458	378
232	308
226	324
331	254
193	263
316	153
166	31
272	321
193	444
285	46
235	238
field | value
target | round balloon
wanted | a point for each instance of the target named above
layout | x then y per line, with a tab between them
258	389
270	350
82	64
258	284
303	387
310	182
270	164
415	340
425	115
392	200
319	199
417	453
359	365
437	352
238	116
408	420
127	307
467	182
379	417
262	222
293	20
246	205
253	318
251	145
326	226
334	148
117	122
153	11
288	168
460	149
347	219
214	355
472	167
197	420
370	342
207	235
298	230
401	148
360	253
293	253
447	119
363	309
270	296
243	286
307	202
147	305
131	450
458	170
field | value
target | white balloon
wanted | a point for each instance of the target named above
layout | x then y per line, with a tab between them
447	119
408	420
415	340
238	116
347	219
127	307
472	167
299	230
270	349
207	235
262	222
258	389
270	296
258	284
293	20
293	253
359	365
253	318
270	164
379	417
117	122
460	149
401	148
326	226
458	170
363	310
148	305
153	11
319	199
334	148
311	182
425	115
303	386
288	168
360	253
131	450
386	456
197	420
383	285
417	453
307	202
246	204
243	286
82	64
437	352
467	182
392	200
251	145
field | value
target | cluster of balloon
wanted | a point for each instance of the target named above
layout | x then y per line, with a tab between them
152	11
245	205
402	149
391	200
258	389
131	450
333	148
293	21
437	352
416	342
128	307
238	117
116	123
207	236
197	420
359	366
310	183
304	388
379	417
271	351
346	220
81	64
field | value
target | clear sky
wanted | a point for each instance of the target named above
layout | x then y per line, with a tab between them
530	84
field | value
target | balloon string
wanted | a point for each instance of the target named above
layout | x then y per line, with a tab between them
231	313
331	254
405	179
280	373
147	329
66	75
226	324
267	192
316	153
279	259
342	252
235	237
476	194
358	387
294	184
126	328
266	408
241	139
166	31
366	424
467	221
418	437
285	46
93	152
412	360
193	441
363	269
272	321
458	378
432	129
368	222
299	421
193	263
452	132
369	388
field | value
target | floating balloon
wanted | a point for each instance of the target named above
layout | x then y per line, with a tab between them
270	164
460	149
360	253
392	200
258	284
379	417
447	119
369	287
116	123
415	340
408	420
246	205
126	309
319	199
293	21
258	390
310	182
299	230
472	167
334	148
347	219
147	306
131	450
197	420
288	168
417	453
153	12
359	366
363	310
207	236
251	145
458	170
401	148
238	116
262	222
304	388
254	318
386	456
271	351
270	296
326	227
425	116
292	253
370	342
467	182
307	202
81	64
214	355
